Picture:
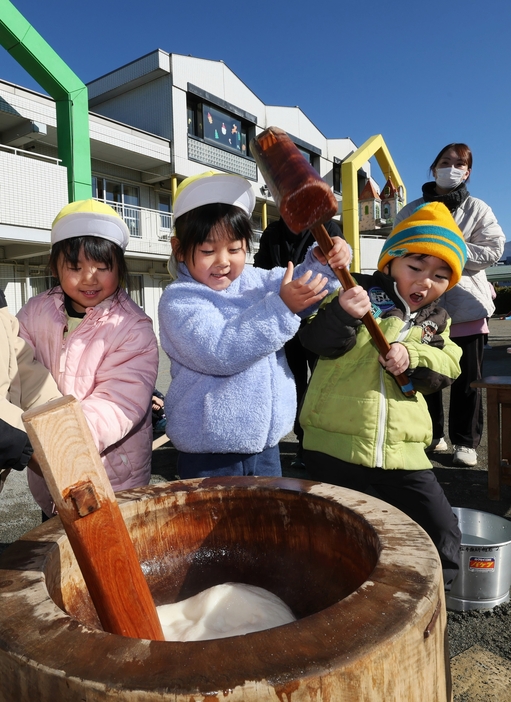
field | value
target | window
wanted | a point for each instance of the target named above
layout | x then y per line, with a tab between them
366	209
12	285
112	192
257	221
193	127
165	218
307	156
124	198
218	126
336	172
136	289
39	282
164	206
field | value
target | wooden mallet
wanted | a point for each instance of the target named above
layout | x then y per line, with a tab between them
305	201
89	512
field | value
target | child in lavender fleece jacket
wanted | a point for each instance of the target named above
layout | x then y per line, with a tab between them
223	325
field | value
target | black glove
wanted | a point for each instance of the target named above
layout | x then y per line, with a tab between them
15	447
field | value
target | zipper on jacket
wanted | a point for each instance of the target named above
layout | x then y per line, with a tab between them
67	336
63	351
92	314
382	419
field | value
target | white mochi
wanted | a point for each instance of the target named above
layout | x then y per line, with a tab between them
230	609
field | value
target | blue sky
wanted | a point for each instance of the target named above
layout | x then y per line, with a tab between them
421	74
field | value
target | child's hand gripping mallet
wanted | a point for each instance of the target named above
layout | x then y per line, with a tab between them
87	507
305	201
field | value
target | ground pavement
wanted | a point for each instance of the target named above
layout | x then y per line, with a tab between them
479	641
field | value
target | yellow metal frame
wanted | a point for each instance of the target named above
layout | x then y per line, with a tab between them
374	146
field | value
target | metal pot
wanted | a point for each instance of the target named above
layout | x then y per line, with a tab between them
484	578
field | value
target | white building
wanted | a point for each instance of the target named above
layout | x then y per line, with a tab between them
152	122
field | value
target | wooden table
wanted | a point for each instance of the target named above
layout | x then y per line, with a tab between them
498	411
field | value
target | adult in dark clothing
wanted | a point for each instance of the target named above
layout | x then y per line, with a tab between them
278	246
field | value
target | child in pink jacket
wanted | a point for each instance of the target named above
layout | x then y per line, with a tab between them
97	343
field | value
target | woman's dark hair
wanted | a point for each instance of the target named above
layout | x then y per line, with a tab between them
94	249
463	151
201	223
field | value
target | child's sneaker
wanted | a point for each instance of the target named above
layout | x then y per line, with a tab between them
437	445
442	445
464	456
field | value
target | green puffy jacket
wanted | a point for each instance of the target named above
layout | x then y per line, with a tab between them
355	411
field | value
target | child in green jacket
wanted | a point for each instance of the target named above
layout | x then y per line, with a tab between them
360	430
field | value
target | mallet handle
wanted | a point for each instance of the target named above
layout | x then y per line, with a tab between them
89	512
325	243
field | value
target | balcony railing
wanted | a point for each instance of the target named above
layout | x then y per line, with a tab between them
255	246
131	215
165	226
30	154
150	230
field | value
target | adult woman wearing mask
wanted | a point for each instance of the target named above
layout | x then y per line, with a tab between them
469	303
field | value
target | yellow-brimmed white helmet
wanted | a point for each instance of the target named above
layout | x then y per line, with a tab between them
212	187
90	218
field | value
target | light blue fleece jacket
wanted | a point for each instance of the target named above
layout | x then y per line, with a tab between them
231	390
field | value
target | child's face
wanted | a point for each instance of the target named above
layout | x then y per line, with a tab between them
217	262
420	279
87	284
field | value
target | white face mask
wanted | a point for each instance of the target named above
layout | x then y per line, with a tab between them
449	178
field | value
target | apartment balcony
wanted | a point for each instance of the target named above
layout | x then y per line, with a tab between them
150	230
255	246
33	188
217	157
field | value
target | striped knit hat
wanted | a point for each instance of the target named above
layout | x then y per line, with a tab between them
429	230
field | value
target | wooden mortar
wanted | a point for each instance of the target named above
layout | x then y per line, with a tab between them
364	580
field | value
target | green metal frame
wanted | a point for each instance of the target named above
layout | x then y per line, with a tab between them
37	57
374	146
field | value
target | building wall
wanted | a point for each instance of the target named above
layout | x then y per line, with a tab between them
149	94
131	107
370	249
217	79
12	284
32	190
28	104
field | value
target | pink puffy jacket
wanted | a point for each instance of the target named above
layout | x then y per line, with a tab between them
109	363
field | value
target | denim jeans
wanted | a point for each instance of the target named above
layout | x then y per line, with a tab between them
213	465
